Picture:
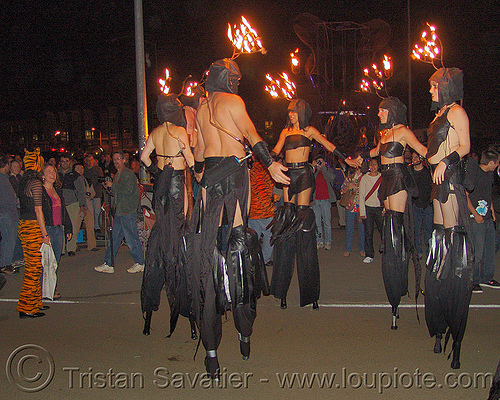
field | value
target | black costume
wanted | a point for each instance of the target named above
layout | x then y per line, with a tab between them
397	236
219	282
294	227
448	279
162	262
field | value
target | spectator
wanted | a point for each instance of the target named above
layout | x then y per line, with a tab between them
323	197
423	212
125	199
16	173
370	208
352	213
340	173
261	206
85	193
9	218
68	178
94	175
482	212
107	166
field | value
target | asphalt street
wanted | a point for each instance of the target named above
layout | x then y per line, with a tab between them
90	344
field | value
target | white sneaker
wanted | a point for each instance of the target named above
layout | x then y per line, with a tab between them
136	268
368	260
328	246
105	268
320	245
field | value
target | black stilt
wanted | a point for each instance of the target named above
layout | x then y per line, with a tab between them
147	322
437	345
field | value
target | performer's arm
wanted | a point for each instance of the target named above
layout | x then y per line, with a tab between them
147	150
413	142
281	141
186	150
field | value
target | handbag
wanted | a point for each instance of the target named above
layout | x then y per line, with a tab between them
347	197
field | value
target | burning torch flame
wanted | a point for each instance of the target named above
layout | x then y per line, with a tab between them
244	39
164	82
377	77
280	88
432	49
295	61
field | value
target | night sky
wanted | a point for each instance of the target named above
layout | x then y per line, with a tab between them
62	55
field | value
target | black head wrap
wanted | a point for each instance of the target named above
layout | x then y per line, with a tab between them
223	76
397	112
302	108
192	101
169	109
450	83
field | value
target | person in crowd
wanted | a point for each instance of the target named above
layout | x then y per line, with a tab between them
162	262
448	278
294	224
422	205
352	218
68	178
323	197
261	206
9	218
107	166
220	163
32	232
483	217
397	184
340	174
16	173
94	175
125	200
57	221
85	193
370	208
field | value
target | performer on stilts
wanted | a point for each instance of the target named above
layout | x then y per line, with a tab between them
162	266
223	281
448	279
294	226
396	188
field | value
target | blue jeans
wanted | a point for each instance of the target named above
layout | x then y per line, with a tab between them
323	212
96	203
8	230
56	235
259	226
351	218
125	227
422	217
484	250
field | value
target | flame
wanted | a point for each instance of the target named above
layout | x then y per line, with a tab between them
164	82
376	76
189	89
295	61
430	51
244	38
277	88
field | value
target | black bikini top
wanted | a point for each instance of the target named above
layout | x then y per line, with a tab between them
295	141
392	149
437	133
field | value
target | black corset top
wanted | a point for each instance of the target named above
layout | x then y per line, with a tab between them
295	141
391	149
437	133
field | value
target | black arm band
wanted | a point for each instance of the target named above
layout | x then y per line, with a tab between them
153	169
452	159
198	166
339	154
274	155
262	152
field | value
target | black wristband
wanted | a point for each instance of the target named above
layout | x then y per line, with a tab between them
451	159
262	152
274	155
365	154
198	166
339	154
153	169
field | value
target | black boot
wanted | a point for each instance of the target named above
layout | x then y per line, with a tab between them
244	346
212	365
455	362
194	335
283	304
147	323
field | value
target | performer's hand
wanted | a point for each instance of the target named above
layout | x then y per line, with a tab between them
277	173
46	240
198	176
69	236
356	162
479	219
439	172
